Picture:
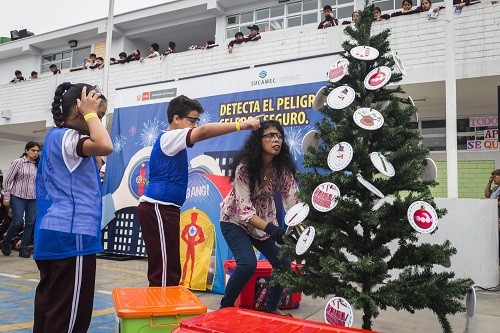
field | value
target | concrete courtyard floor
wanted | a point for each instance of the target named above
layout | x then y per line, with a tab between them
19	277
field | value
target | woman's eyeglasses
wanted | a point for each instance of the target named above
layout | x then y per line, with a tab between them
273	136
193	120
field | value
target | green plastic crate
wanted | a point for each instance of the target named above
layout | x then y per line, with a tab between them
154	309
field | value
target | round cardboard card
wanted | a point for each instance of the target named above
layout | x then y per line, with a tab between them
309	140
338	70
399	63
305	241
422	217
470	301
296	214
340	156
377	78
410	100
319	99
340	97
338	311
368	119
370	187
382	164
430	169
364	53
324	197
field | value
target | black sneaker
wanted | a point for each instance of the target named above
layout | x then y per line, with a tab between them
6	252
23	253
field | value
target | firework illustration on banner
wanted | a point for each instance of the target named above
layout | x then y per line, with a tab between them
339	312
319	99
368	118
382	164
340	156
305	240
399	63
364	53
340	97
422	217
119	142
151	129
338	70
294	138
377	78
324	197
309	140
369	186
296	214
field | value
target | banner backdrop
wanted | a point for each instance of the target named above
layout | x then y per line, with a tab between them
283	92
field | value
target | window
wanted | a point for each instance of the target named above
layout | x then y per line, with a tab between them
389	5
65	59
291	14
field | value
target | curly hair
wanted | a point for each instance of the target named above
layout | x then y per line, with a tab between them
250	156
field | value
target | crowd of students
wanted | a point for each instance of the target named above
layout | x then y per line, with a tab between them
407	8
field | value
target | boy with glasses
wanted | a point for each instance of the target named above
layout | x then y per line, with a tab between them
159	207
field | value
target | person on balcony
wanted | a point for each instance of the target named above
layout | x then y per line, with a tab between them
18	77
254	33
330	19
238	39
154	52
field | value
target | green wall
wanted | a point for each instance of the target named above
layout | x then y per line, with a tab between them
472	179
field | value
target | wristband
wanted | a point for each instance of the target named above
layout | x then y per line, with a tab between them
90	115
238	128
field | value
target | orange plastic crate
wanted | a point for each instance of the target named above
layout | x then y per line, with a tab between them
230	320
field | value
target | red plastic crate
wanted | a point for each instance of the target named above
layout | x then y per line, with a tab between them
230	320
255	290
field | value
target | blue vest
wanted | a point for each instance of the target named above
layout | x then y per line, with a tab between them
69	203
168	175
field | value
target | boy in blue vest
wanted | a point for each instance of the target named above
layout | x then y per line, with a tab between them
159	207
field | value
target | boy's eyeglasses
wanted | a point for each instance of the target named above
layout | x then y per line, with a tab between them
273	136
193	120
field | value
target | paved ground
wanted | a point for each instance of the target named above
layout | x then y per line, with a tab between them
19	277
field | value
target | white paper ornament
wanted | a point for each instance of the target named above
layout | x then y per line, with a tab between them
370	186
339	312
340	97
364	52
377	78
338	70
382	164
296	214
324	197
367	118
340	156
399	63
430	168
305	240
309	140
422	217
319	99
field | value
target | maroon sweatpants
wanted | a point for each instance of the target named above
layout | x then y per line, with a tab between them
65	295
160	225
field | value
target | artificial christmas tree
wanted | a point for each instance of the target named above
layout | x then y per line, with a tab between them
365	248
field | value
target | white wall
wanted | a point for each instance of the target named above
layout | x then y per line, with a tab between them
9	153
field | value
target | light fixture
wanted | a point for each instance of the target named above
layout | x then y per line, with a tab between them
73	43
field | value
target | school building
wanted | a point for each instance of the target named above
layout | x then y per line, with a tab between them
289	32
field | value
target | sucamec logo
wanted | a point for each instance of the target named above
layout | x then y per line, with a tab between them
262	74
